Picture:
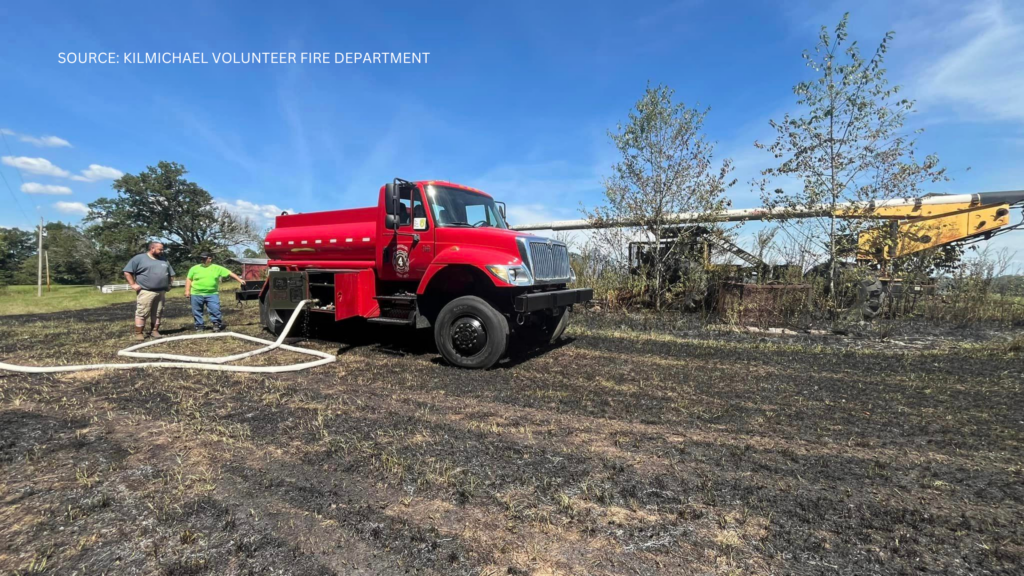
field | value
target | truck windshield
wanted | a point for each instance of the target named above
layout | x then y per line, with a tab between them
455	207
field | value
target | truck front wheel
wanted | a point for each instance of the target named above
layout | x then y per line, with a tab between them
470	333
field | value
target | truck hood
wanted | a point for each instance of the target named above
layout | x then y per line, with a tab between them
495	238
479	236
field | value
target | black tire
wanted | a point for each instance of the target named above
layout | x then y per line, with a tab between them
470	333
871	298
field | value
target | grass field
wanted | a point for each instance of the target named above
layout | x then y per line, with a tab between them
23	299
642	445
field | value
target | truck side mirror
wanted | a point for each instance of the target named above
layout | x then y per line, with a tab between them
391	221
501	210
391	196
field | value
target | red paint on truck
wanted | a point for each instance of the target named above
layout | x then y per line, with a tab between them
414	258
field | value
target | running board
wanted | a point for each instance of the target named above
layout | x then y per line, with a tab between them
405	298
393	321
397	310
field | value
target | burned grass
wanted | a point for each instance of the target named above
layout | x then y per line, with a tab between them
643	446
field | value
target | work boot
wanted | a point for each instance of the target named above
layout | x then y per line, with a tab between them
218	327
155	333
139	333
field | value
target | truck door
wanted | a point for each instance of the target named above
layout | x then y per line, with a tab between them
407	254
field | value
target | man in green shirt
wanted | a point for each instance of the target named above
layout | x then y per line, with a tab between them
202	287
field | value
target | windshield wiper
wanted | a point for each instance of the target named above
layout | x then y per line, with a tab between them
458	224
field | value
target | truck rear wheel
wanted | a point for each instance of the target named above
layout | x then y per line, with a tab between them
470	333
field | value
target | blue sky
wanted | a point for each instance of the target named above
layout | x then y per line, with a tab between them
516	98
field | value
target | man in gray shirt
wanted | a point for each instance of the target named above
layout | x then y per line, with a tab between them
150	276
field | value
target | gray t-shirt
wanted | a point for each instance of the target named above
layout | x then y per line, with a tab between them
152	274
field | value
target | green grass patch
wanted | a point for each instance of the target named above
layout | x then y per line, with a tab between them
23	300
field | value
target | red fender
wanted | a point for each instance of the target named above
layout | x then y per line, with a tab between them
475	256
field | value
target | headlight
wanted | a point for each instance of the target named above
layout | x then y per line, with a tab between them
500	272
514	275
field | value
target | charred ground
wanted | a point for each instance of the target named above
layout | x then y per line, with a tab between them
645	445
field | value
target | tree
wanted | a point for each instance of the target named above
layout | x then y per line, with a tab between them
116	241
1009	286
16	246
666	169
848	145
69	252
160	204
762	247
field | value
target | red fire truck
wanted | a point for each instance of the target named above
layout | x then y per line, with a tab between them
431	254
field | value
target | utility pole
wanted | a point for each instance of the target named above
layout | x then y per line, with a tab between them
39	277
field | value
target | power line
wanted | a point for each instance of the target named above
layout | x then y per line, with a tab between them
13	195
16	203
11	152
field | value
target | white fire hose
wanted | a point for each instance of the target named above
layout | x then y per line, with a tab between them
197	362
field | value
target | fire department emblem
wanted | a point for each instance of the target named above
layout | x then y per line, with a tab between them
400	261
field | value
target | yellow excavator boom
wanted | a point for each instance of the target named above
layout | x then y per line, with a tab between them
911	235
914	224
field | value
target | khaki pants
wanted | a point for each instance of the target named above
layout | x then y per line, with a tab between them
149	305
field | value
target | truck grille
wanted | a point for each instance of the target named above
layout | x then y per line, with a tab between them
549	261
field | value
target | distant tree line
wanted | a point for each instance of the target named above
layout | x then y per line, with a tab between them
1009	285
158	203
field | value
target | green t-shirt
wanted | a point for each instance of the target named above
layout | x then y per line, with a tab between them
205	278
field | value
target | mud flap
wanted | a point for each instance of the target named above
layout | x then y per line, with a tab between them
270	319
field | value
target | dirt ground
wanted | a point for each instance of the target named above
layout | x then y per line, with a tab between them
642	445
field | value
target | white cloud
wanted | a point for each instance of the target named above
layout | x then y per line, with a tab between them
46	141
44	167
40	166
75	208
530	214
260	213
984	71
95	172
37	188
40	141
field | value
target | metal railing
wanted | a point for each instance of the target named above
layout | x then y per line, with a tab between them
111	288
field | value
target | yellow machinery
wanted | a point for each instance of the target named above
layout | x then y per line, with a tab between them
918	226
914	223
909	225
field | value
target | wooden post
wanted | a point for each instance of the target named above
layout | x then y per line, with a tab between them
39	256
46	254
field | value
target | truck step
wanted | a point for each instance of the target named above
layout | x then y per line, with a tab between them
393	321
399	298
